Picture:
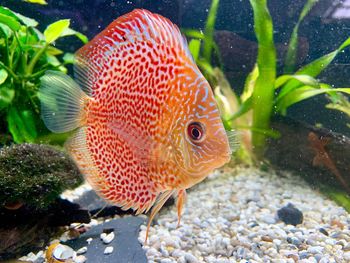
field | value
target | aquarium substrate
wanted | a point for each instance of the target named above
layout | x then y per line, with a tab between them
232	217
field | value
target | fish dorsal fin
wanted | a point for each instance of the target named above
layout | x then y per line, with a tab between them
137	26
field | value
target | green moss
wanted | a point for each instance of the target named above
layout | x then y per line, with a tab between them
35	174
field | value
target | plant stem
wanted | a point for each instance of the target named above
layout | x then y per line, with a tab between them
35	59
263	93
13	75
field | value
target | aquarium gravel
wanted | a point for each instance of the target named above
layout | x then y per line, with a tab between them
233	218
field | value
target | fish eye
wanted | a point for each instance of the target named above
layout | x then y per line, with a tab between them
196	132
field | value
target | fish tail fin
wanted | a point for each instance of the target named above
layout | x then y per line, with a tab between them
62	102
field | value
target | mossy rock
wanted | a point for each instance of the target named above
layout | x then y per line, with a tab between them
35	175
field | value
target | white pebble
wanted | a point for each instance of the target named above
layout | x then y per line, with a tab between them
190	258
107	238
108	250
81	250
346	255
89	240
80	259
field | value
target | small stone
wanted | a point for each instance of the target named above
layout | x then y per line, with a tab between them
346	255
107	238
303	255
269	219
81	250
295	257
337	223
323	231
315	250
80	259
289	214
166	260
108	250
293	240
266	238
190	258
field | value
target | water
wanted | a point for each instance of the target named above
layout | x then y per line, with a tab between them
313	140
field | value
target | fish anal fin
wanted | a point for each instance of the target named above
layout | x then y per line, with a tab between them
163	197
181	199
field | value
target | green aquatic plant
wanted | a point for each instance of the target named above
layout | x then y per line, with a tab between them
202	44
25	55
266	94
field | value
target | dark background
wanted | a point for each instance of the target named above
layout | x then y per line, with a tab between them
321	31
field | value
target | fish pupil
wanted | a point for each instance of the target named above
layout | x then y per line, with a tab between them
196	131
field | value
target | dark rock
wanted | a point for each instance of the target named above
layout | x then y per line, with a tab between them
289	214
34	175
126	245
25	230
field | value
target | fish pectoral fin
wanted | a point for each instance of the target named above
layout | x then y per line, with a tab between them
163	197
62	102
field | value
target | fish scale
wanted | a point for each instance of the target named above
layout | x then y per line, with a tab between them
145	103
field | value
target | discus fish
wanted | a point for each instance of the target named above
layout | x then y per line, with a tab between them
147	123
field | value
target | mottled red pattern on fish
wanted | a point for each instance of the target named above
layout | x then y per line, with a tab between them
134	144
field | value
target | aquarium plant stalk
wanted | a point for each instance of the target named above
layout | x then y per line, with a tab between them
263	94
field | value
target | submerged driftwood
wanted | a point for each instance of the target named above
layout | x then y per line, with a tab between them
320	155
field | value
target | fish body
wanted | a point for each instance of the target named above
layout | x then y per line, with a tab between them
147	122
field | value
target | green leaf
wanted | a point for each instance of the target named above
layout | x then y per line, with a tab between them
209	31
305	79
20	125
70	32
18	17
68	58
40	2
52	60
3	75
53	51
194	47
249	83
293	43
10	22
192	33
6	96
55	30
245	106
312	69
303	93
263	94
30	22
5	30
29	123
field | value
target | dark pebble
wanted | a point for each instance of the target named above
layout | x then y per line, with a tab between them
293	240
289	214
323	231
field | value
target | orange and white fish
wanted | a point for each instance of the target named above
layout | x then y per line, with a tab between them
147	122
